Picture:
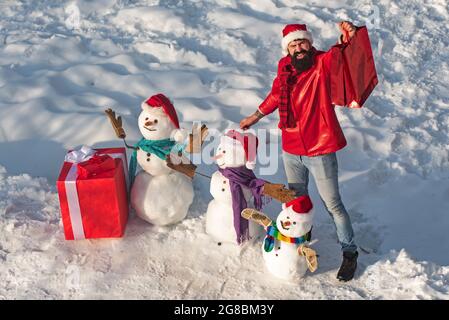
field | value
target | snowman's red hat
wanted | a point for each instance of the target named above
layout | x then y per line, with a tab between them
249	143
160	100
301	205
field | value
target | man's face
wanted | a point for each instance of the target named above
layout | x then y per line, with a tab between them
301	54
299	45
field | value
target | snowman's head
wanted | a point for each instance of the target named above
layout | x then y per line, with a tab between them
230	153
154	124
158	118
236	150
296	218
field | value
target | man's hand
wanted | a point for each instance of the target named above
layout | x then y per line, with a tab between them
347	29
252	119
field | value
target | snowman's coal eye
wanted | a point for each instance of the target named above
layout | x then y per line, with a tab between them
294	222
224	151
155	121
146	119
288	217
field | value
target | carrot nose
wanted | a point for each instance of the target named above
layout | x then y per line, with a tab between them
287	223
218	156
148	123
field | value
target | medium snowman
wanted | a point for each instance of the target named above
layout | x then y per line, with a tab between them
159	194
232	187
285	248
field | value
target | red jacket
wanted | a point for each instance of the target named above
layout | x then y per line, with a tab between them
317	128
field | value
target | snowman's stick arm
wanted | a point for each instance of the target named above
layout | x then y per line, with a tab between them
181	166
196	138
256	216
204	175
187	169
278	192
116	123
118	126
128	146
310	255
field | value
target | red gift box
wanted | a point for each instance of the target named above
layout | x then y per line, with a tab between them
93	197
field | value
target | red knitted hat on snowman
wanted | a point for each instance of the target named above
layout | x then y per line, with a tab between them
292	32
159	100
301	205
249	143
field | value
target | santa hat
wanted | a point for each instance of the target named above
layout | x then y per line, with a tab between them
301	205
159	100
292	32
249	143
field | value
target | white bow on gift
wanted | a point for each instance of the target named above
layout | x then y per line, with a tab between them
81	155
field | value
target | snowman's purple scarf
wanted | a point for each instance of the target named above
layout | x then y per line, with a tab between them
238	178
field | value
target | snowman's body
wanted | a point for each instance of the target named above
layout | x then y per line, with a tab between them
162	199
284	261
220	214
152	164
159	194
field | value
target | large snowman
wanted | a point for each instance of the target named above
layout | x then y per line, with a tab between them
159	194
284	249
232	187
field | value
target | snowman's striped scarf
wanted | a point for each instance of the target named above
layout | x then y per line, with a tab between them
273	233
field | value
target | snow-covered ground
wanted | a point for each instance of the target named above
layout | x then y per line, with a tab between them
62	63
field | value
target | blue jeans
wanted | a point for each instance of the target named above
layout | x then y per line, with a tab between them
324	169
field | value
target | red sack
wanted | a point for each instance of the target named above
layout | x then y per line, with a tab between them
353	73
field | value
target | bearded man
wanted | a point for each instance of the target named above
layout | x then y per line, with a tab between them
308	84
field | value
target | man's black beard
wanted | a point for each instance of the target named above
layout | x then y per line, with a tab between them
303	64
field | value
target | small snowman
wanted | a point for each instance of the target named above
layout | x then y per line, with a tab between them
159	194
232	187
284	249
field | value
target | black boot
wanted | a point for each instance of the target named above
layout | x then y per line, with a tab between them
348	266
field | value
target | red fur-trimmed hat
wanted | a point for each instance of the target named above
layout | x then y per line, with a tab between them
292	32
249	143
159	100
301	205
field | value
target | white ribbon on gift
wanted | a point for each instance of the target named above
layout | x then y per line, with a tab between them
75	157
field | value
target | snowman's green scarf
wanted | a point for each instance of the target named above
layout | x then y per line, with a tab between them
160	148
273	233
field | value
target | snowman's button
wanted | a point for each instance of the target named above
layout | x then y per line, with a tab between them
148	159
279	248
224	181
277	255
148	154
223	189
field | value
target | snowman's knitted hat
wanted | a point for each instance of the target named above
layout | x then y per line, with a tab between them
160	100
249	143
301	205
